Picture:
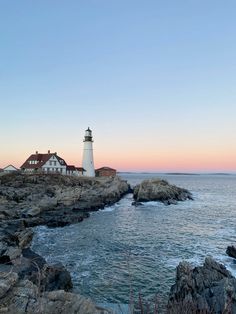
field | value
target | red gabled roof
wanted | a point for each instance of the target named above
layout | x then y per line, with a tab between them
105	168
80	169
70	168
41	160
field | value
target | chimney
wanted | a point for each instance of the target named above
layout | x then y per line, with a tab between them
36	152
55	153
48	151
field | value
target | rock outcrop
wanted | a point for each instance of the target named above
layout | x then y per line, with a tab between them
56	200
160	190
22	296
207	289
16	256
231	251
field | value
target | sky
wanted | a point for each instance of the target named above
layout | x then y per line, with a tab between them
154	80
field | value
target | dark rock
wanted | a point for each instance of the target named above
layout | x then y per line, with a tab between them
207	289
231	251
56	277
135	203
47	277
160	190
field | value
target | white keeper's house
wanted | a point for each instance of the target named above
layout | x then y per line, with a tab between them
49	163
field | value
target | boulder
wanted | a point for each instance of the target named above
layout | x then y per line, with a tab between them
7	280
160	190
206	289
33	211
47	277
231	251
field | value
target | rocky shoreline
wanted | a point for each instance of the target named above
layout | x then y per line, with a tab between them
27	283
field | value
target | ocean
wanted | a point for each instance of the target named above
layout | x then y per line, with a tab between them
123	250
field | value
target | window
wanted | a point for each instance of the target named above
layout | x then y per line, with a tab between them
55	163
50	163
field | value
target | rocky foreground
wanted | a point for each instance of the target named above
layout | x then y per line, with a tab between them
27	283
205	289
160	190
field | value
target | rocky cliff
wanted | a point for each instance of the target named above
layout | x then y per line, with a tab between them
56	200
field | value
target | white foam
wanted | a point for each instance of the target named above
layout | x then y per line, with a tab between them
109	208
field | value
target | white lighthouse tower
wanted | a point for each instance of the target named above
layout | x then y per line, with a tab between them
88	164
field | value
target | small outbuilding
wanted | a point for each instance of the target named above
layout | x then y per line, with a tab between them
9	169
70	170
80	171
105	172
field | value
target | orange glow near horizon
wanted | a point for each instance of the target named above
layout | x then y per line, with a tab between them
179	161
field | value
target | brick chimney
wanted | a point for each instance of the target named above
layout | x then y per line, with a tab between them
48	151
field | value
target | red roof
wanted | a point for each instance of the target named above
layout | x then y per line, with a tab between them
70	168
80	169
41	160
106	168
73	168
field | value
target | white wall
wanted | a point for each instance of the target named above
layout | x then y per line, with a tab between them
88	163
53	165
9	168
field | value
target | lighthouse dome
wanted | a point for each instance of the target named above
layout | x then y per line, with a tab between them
88	132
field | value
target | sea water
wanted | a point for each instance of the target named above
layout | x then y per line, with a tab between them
126	250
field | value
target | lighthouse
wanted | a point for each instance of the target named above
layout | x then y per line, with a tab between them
88	164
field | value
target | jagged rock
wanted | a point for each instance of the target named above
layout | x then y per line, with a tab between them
47	277
231	251
34	211
12	252
207	289
24	237
7	280
47	199
160	190
22	296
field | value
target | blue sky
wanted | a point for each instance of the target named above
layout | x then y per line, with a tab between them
147	76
